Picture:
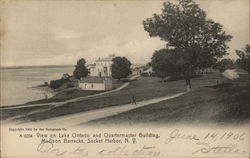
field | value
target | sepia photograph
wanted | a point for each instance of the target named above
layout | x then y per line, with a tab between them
125	64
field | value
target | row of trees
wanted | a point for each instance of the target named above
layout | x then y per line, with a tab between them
120	68
165	63
193	41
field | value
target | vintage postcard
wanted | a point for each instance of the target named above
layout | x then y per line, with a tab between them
125	78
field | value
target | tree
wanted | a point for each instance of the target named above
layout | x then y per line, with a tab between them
164	63
80	69
120	67
244	58
197	42
224	64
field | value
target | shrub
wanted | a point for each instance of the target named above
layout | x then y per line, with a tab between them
57	83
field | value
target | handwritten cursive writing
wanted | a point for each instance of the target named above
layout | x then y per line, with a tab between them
48	148
176	134
124	151
218	149
80	151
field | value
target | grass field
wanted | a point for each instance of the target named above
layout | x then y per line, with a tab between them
62	96
72	93
208	102
143	89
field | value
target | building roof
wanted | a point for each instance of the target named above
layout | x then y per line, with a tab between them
104	59
109	58
93	79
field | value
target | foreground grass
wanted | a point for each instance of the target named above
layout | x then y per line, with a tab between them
62	96
226	102
5	114
143	89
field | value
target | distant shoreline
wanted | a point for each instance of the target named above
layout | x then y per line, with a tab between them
29	67
45	66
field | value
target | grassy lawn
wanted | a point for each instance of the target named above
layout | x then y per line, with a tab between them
62	96
21	111
227	102
71	94
143	88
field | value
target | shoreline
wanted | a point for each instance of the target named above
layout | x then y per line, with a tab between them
44	91
48	92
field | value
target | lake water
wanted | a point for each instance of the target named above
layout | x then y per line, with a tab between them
16	83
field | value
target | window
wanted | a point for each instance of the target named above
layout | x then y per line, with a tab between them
105	70
92	86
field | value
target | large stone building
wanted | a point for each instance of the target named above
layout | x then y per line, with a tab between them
99	78
101	67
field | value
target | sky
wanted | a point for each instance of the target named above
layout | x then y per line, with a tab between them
60	32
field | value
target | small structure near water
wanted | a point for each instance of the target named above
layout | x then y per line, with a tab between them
95	83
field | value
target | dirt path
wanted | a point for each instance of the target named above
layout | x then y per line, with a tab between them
84	117
71	100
